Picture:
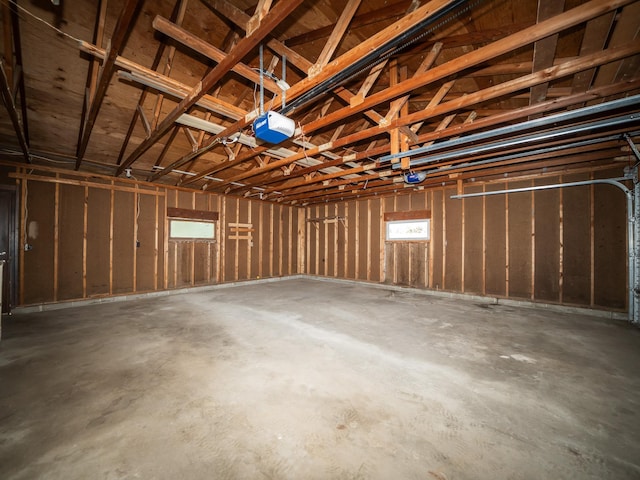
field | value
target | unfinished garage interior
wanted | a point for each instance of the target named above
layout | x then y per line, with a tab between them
324	239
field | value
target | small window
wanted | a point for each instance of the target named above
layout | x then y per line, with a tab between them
409	229
192	229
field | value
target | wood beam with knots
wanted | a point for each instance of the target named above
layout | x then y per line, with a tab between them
121	30
281	11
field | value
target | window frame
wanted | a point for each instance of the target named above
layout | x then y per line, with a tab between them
390	223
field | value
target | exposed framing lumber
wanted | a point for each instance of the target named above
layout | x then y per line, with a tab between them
18	85
338	64
544	50
273	18
496	91
7	98
177	16
336	36
126	18
570	18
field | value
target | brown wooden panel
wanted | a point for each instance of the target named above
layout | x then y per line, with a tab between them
363	235
123	242
286	236
341	238
296	213
172	264
496	241
161	242
331	232
202	202
98	241
436	238
267	239
184	199
201	272
547	242
473	250
577	242
38	262
145	251
374	227
418	277
231	246
184	264
255	247
453	266
351	241
70	242
277	240
520	241
192	214
402	263
418	202
610	246
243	245
402	202
389	262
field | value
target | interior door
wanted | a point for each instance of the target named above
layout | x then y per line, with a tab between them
8	246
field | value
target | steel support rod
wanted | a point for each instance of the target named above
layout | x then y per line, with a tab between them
529	125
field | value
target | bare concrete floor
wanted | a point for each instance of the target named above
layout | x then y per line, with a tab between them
306	379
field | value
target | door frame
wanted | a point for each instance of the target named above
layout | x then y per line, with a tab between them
12	252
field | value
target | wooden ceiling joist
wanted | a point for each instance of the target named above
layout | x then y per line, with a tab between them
7	98
177	16
118	38
515	85
271	20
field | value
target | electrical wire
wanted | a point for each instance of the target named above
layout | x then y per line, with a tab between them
32	15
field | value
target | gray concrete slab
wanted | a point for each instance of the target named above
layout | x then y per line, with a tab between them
315	380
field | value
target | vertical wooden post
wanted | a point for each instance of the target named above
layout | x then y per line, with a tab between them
56	238
260	238
338	225
431	243
112	200
249	241
136	209
506	244
290	235
192	247
394	246
317	246
484	241
592	235
346	240
303	248
156	231
218	246
368	239
444	239
223	239
165	252
464	245
85	226
280	246
561	252
236	260
383	238
271	233
326	241
357	243
23	234
533	243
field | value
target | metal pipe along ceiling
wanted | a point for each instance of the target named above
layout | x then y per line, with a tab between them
632	118
519	127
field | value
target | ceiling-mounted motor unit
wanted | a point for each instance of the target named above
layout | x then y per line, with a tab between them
273	127
414	177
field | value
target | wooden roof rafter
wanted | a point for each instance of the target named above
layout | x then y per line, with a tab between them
270	21
121	30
